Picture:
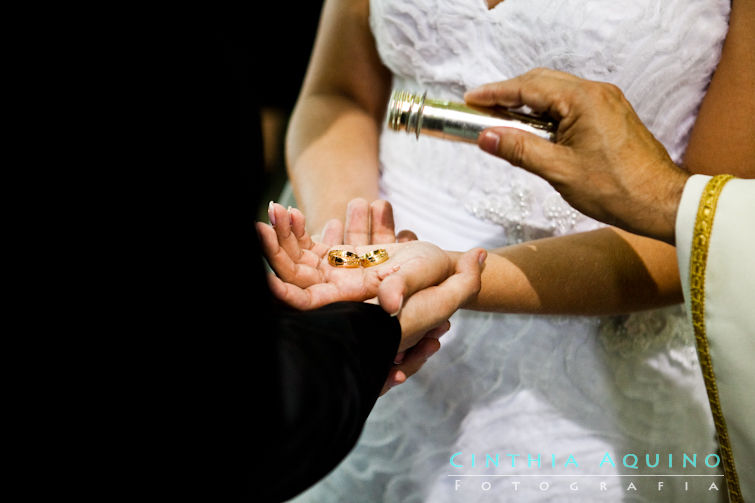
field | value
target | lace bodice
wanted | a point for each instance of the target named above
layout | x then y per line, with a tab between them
660	53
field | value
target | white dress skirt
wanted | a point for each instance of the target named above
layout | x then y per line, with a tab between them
537	408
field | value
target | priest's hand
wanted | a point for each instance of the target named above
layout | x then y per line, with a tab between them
604	162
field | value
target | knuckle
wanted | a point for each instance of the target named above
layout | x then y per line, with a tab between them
561	104
531	75
604	91
612	89
593	90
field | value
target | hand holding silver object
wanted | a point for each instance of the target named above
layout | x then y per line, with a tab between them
417	113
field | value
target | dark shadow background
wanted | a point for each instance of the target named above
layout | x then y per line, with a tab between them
278	68
177	304
146	170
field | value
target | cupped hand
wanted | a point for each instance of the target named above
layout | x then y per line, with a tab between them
305	279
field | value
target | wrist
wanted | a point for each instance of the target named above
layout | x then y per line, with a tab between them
453	258
670	204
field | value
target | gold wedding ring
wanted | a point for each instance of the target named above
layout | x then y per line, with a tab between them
374	257
343	258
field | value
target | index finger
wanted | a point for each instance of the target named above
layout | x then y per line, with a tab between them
542	89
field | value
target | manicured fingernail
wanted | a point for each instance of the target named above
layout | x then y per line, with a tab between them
271	213
489	142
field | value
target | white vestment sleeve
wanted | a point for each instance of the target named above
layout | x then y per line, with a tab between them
729	308
685	228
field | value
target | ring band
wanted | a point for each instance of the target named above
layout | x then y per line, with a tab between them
343	258
374	257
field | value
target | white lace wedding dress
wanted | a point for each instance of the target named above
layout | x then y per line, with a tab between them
554	387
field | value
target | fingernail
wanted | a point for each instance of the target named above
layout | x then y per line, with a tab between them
400	305
271	213
481	258
399	378
489	142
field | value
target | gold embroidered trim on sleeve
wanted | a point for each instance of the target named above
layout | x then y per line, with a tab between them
698	260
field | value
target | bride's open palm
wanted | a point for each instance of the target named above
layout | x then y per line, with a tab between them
305	279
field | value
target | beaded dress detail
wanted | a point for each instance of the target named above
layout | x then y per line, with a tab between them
535	390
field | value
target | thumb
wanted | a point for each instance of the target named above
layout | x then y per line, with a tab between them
432	306
522	149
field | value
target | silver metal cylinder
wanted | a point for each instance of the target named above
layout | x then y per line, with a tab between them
416	113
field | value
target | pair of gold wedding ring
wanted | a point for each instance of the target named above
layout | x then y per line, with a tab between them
344	258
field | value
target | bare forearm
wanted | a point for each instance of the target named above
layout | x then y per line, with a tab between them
332	141
594	273
332	148
721	140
